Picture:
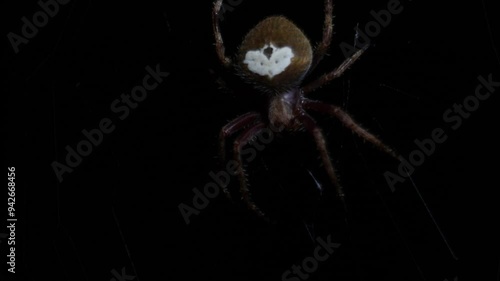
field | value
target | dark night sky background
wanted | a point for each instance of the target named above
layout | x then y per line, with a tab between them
119	207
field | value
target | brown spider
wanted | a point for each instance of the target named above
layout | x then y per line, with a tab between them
275	56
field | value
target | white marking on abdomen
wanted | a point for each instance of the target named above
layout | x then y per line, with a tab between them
260	64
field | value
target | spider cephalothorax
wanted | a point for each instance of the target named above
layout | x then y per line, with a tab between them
274	57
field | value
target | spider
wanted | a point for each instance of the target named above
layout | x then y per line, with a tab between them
275	57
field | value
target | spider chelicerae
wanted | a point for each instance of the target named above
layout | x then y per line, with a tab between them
275	57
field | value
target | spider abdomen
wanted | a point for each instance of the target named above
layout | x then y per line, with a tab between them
275	55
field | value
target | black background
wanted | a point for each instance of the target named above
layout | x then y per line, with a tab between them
120	207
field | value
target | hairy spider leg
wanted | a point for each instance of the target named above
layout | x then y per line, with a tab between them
348	122
219	43
239	143
232	127
229	129
337	72
323	46
313	129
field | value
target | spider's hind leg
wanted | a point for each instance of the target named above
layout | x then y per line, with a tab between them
219	42
323	46
337	72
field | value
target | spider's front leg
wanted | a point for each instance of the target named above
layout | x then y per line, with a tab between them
315	131
228	130
348	122
239	143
